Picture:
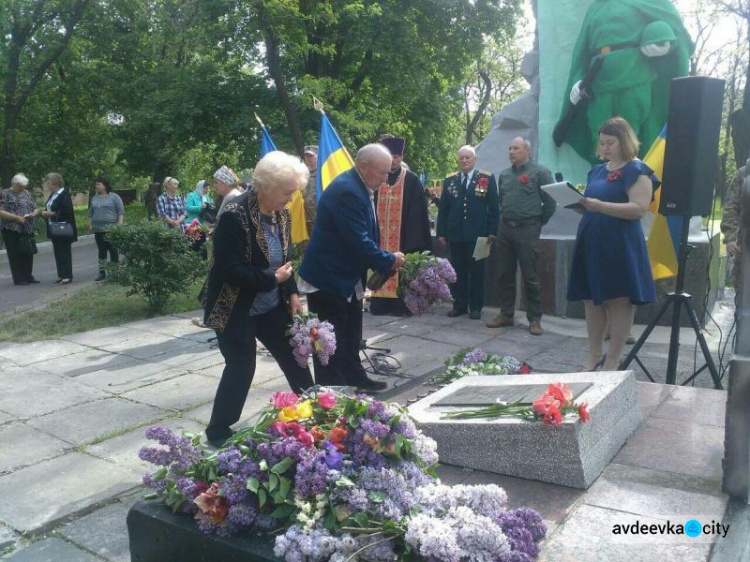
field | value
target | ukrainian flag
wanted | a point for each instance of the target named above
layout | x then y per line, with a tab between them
297	205
333	159
664	236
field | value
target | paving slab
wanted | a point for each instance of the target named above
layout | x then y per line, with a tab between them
257	399
105	336
460	338
179	393
104	531
694	405
79	364
130	375
123	449
587	535
27	392
677	447
522	352
214	372
27	353
172	326
6	418
87	422
37	497
7	538
149	346
21	445
371	321
52	550
411	351
652	395
407	327
194	358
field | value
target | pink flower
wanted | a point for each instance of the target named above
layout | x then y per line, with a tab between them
305	438
560	391
583	413
279	428
283	400
327	400
211	504
544	404
552	417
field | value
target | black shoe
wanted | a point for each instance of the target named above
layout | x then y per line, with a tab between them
33	281
21	283
453	313
101	277
475	315
371	385
218	443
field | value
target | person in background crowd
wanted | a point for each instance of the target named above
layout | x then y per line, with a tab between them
170	207
59	208
731	222
468	209
196	205
226	185
310	195
17	229
106	209
251	292
610	270
524	209
403	221
343	246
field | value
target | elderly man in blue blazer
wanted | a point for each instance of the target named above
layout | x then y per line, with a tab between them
345	243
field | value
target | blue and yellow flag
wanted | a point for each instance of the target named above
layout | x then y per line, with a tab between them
333	158
297	205
664	236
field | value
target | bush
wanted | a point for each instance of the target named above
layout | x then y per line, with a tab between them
157	263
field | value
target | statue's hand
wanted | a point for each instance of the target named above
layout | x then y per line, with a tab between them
656	49
575	93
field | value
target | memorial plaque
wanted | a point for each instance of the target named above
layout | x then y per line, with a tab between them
487	395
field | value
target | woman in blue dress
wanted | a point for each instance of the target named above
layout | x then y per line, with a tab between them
611	270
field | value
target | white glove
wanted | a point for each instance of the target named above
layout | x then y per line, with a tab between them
575	93
656	49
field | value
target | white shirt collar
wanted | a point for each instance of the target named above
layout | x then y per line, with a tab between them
468	175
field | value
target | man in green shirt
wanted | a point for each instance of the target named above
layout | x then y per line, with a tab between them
524	209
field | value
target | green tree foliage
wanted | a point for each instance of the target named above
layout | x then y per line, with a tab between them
157	262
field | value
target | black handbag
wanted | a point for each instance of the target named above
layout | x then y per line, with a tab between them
60	231
27	245
208	214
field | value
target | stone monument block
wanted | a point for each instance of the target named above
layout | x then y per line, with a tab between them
573	454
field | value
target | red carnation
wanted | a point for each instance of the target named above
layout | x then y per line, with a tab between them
614	176
524	179
483	182
583	413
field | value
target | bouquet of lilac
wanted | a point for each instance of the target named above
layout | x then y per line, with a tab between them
470	361
310	335
424	280
338	478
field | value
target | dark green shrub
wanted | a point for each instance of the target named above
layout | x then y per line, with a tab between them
156	263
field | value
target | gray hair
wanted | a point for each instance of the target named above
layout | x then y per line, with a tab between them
525	142
372	152
468	148
19	179
279	168
55	179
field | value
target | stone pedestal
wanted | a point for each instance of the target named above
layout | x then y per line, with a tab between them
573	454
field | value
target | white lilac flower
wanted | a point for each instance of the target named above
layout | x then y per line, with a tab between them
433	537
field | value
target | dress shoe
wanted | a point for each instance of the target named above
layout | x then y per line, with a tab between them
370	385
453	313
21	283
500	321
475	315
34	281
535	328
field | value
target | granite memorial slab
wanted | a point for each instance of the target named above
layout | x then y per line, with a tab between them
573	454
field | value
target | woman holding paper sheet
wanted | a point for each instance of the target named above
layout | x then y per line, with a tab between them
611	270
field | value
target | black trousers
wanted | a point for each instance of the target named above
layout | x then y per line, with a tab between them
63	257
237	345
199	247
344	367
20	264
468	290
104	247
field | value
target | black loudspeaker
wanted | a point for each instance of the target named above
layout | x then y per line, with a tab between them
692	146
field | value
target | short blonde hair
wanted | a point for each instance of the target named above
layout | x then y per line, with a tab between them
277	168
618	127
20	179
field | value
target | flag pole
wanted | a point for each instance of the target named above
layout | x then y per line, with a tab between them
318	105
262	126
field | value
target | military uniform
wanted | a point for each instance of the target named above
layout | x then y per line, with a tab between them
524	209
731	223
468	209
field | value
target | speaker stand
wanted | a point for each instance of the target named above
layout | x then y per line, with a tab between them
677	300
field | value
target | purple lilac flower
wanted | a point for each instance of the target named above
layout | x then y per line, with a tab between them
475	356
277	451
234	489
229	460
311	477
303	343
182	453
430	285
378	409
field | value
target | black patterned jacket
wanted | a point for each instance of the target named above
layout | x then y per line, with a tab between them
239	267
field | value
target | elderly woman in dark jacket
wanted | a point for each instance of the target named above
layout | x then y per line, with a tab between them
251	292
59	208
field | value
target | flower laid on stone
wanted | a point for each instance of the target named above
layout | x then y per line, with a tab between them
423	281
339	478
551	408
469	362
310	335
195	230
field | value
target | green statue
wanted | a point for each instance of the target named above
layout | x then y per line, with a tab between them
626	54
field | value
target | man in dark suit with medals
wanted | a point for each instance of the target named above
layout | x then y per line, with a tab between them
468	210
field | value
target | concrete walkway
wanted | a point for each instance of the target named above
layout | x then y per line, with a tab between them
73	412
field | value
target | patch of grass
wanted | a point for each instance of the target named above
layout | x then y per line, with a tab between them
102	306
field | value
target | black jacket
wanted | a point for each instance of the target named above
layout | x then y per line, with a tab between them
63	207
239	269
